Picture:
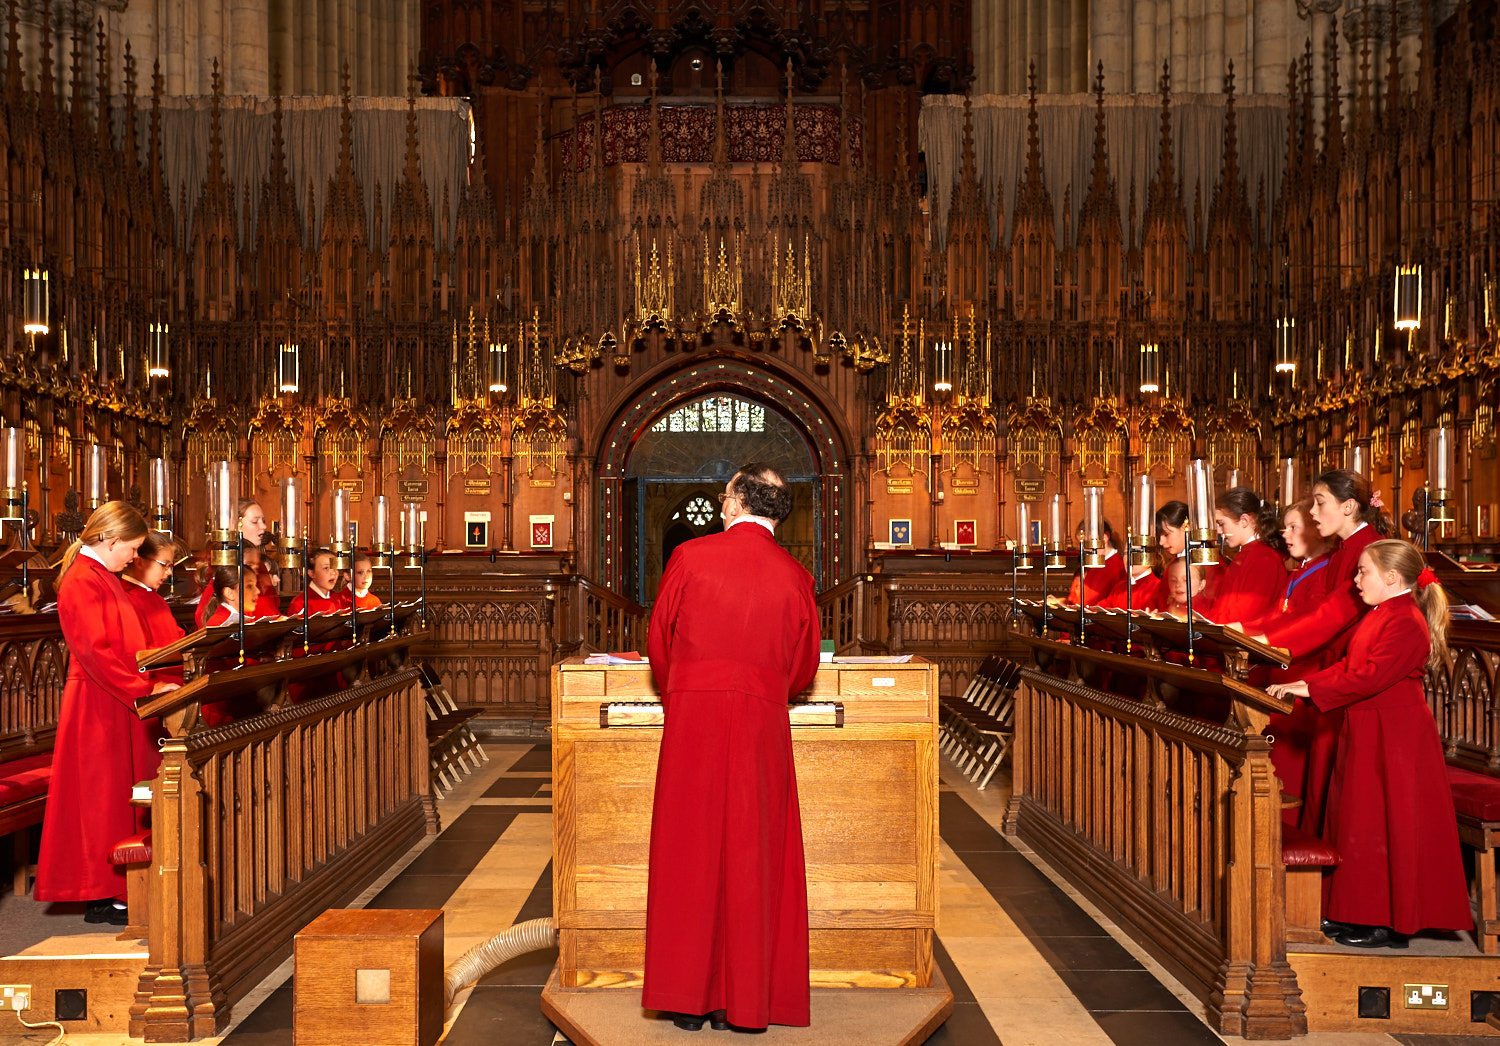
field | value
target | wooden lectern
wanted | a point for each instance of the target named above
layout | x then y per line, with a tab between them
864	739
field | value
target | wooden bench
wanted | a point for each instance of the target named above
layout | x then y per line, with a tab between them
976	727
453	749
1476	803
1305	857
33	668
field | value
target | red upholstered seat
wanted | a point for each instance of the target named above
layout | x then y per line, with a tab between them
133	849
25	778
1474	795
1299	849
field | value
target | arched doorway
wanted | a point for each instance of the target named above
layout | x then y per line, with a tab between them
679	465
800	433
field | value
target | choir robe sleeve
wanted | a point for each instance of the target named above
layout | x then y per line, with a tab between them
95	612
804	666
1399	647
663	618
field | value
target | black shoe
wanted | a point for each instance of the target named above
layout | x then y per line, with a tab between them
1331	928
107	911
688	1021
1372	937
718	1020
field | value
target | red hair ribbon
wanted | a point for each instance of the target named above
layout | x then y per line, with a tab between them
1375	501
1426	577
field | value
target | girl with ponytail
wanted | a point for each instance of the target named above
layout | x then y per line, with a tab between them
102	747
1252	582
1390	812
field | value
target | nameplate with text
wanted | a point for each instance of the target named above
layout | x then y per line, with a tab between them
898	486
544	482
413	489
355	487
479	488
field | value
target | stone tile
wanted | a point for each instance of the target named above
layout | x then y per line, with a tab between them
514	787
501	1014
1085	953
1157	1029
269	1025
419	891
1114	990
538	760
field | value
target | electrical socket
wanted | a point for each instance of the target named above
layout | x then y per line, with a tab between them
15	996
1426	996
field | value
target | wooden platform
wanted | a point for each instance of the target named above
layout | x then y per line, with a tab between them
840	1016
1331	983
109	970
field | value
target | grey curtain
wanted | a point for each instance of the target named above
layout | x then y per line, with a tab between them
1065	125
311	126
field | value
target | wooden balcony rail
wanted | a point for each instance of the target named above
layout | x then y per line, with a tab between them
1169	823
260	825
1463	696
33	669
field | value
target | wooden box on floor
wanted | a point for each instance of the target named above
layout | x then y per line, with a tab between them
864	739
369	977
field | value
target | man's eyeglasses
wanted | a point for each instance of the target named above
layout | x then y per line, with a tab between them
726	496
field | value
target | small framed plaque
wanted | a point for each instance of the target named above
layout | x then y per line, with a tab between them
964	531
900	531
541	531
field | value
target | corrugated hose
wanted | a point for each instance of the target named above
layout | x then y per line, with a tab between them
534	935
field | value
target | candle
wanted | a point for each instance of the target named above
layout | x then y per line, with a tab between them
1054	522
15	460
340	516
291	508
1354	459
1093	510
1234	478
382	525
1290	488
98	487
1145	509
161	502
1201	493
1438	459
223	496
411	528
1023	520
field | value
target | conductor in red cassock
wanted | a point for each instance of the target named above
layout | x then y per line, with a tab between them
734	636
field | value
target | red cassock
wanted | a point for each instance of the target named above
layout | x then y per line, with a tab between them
1293	732
156	617
1390	813
261	596
102	747
1145	592
1099	582
335	602
366	600
734	636
1251	584
1315	633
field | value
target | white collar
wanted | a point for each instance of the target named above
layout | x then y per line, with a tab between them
1356	530
1252	537
1110	554
762	520
1393	595
320	593
88	550
362	591
234	615
137	581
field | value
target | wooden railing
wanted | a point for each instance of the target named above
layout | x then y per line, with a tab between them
1169	823
848	614
1465	699
33	669
496	630
260	825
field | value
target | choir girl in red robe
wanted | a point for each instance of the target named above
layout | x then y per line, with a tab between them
102	747
143	579
1099	583
253	529
322	595
362	582
1149	591
1292	733
1177	588
1251	583
1344	508
1390	813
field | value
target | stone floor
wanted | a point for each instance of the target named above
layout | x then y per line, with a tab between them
1030	962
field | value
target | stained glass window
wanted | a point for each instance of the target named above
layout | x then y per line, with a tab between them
699	511
715	414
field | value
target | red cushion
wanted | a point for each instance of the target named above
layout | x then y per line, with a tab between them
1475	795
134	849
22	779
1301	850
